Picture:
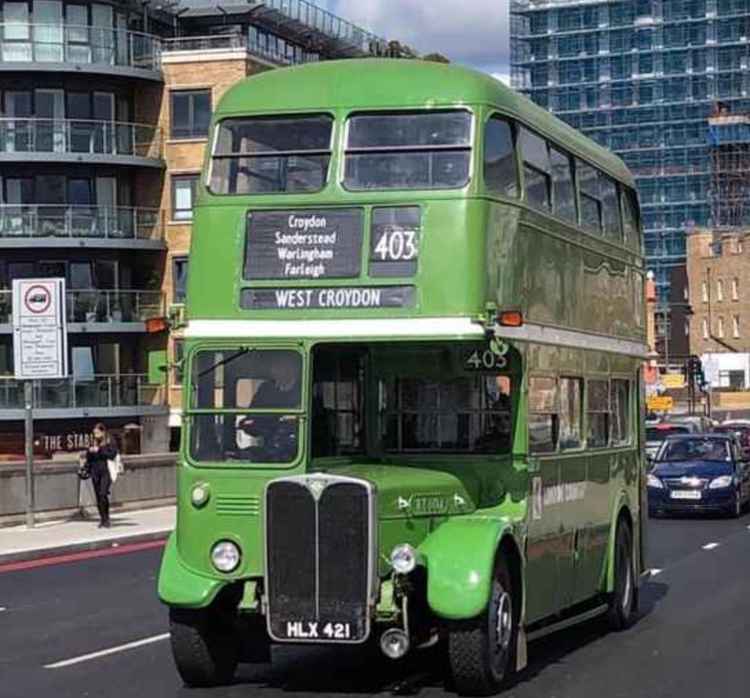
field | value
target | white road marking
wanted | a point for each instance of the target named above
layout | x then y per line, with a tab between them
2	608
710	546
104	653
655	570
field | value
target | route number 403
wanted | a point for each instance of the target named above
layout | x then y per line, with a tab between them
486	361
397	246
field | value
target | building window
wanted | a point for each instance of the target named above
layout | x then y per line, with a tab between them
183	196
735	289
736	326
191	113
719	290
704	291
720	327
179	279
705	328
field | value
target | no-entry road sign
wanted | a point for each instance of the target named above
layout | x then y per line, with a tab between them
39	331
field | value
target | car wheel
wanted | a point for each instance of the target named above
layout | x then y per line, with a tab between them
204	647
481	651
623	603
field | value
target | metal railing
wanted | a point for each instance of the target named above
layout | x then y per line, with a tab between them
100	306
22	42
36	135
61	221
100	390
230	42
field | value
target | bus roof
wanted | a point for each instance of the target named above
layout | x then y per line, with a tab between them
377	83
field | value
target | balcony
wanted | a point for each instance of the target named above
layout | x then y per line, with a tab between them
201	47
96	310
80	226
83	396
79	140
79	49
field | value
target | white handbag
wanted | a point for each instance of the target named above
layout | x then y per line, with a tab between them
115	467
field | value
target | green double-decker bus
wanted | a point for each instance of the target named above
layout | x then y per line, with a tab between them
413	349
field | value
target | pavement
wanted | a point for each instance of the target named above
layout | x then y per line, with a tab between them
20	544
94	627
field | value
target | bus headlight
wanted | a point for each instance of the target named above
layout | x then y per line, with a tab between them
654	482
403	558
225	556
721	482
200	494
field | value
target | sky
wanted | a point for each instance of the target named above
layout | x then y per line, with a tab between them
471	32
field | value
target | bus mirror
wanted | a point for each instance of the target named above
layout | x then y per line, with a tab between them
157	366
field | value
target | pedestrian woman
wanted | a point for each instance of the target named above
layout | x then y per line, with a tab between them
102	449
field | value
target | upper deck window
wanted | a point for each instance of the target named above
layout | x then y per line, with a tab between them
500	157
536	170
264	155
417	150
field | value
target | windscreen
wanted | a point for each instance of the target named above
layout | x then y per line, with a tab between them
696	449
415	150
244	405
261	155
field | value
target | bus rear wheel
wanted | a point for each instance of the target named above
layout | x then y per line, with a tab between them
481	651
204	646
623	602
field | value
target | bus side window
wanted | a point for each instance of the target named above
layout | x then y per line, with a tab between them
544	421
591	204
630	216
571	418
598	413
536	170
610	208
620	401
500	173
563	186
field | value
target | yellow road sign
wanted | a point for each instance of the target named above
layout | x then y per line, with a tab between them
660	403
673	380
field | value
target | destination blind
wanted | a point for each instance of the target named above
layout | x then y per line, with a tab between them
339	297
304	244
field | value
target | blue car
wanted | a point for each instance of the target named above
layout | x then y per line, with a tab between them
699	473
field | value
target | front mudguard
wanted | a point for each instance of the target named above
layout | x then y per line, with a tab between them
460	560
181	587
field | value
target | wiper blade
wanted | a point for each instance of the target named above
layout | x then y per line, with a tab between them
224	362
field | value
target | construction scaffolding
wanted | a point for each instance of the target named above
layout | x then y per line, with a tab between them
729	188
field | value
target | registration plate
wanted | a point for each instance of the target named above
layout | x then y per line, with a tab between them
318	630
685	494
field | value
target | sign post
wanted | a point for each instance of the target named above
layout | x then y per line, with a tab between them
39	351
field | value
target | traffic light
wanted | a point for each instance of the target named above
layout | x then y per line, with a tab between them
694	370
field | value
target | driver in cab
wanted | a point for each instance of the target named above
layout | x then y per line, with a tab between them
276	433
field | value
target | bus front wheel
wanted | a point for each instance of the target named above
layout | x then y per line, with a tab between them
623	602
481	651
204	646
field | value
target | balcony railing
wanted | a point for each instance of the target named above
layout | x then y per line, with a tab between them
98	306
22	42
79	136
91	391
230	42
80	222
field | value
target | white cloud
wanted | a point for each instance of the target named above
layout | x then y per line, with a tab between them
473	32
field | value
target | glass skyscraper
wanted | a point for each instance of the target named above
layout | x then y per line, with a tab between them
641	77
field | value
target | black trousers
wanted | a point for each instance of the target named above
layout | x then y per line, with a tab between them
101	482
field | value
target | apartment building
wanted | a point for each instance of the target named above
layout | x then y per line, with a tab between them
104	113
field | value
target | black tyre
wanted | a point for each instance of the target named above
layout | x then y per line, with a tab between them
204	646
481	651
623	602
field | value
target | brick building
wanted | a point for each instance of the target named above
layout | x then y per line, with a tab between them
104	112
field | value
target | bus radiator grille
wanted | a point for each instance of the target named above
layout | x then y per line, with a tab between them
319	557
